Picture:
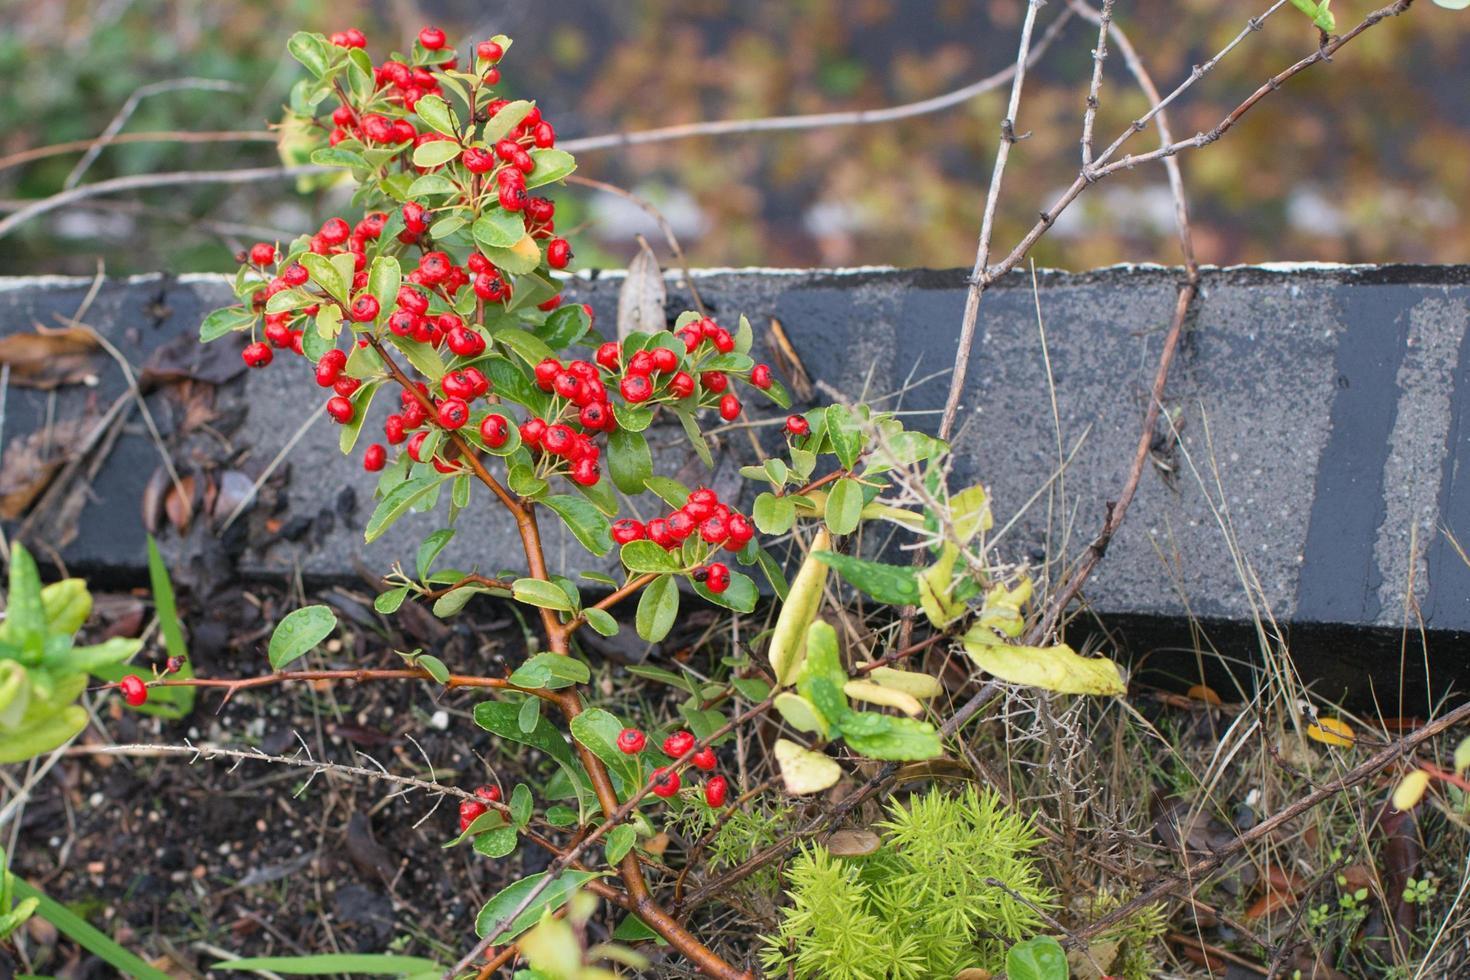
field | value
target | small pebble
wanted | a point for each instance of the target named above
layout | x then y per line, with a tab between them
440	720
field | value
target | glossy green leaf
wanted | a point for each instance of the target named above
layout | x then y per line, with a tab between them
601	621
498	229
629	460
551	165
436	113
741	596
587	524
598	730
645	556
227	320
844	506
657	608
537	592
618	842
1038	958
553	897
397	502
897	585
435	153
551	671
299	632
503	719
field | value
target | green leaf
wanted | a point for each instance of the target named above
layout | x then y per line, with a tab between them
299	632
452	603
432	184
225	321
25	614
657	607
529	716
508	118
773	514
83	933
495	843
553	897
1039	958
741	596
551	671
526	345
435	153
645	556
384	279
897	585
422	356
311	50
325	275
521	805
430	549
566	325
436	113
362	398
537	592
844	506
520	259
396	502
498	229
696	438
434	666
587	524
551	165
846	436
336	156
629	460
321	964
1321	16
670	491
618	842
389	602
503	719
889	737
601	620
598	730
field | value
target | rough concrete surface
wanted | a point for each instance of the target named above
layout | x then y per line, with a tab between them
1320	416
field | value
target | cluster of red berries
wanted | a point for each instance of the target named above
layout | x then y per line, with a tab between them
471	810
717	524
666	781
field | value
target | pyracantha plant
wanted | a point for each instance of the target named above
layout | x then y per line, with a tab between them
442	297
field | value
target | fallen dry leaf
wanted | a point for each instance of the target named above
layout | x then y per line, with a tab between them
788	362
1272	901
31	461
179	506
1278	879
50	358
852	843
643	295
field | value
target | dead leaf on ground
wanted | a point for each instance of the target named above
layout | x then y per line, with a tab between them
788	362
179	503
186	359
50	358
642	298
1279	879
852	843
31	461
1271	902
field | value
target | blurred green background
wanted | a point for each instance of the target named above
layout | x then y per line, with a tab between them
1361	160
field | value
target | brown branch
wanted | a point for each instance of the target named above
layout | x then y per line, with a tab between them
164	136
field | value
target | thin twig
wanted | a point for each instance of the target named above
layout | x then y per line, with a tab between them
158	136
662	223
1099	55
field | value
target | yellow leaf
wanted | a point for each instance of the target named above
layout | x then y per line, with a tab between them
788	639
800	713
887	512
1332	731
1410	790
1002	609
804	771
1462	757
1057	668
970	510
886	696
921	686
935	585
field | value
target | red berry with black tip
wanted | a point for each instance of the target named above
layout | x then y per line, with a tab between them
740	531
558	253
665	783
593	416
340	409
546	373
452	413
489	793
678	743
631	741
532	431
585	472
797	425
658	532
477	161
465	342
714	530
494	430
718	578
134	691
256	355
760	376
715	791
635	388
627	530
558	440
681	525
329	367
364	308
374	457
431	38
704	759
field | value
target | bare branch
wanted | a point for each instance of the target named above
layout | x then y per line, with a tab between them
130	106
1099	55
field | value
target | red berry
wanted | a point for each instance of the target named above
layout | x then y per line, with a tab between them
724	343
558	253
431	38
532	430
295	274
489	51
457	385
345	386
512	197
641	363
494	430
678	743
134	691
567	385
701	503
714	381
585	472
631	741
704	759
729	407
797	425
543	134
452	413
465	342
593	416
340	409
364	308
477	161
658	532
740	531
374	457
760	376
714	530
664	360
665	783
715	790
681	525
329	367
469	812
546	373
550	304
334	231
635	388
609	355
682	384
416	445
256	355
558	440
489	793
717	579
627	530
393	429
262	253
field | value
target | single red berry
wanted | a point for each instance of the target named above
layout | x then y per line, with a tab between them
340	409
477	161
641	363
532	430
724	343
627	530
635	388
658	532
374	457
134	691
263	253
364	308
585	472
665	783
457	385
543	134
550	304
173	665
431	38
714	381
714	530
664	360
412	300
681	525
631	741
682	384
558	253
610	355
691	338
593	416
678	743
704	759
416	445
701	503
718	578
295	274
729	407
479	384
741	531
334	231
558	440
489	793
512	197
256	355
715	791
546	373
760	376
797	425
452	413
393	429
329	367
469	812
489	51
494	430
567	385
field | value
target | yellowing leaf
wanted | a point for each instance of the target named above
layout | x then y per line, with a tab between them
1462	757
1057	668
788	639
1201	692
970	510
912	683
1410	790
800	713
877	511
804	771
1002	609
935	585
1332	731
886	696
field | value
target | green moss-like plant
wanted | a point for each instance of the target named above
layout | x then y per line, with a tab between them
922	905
